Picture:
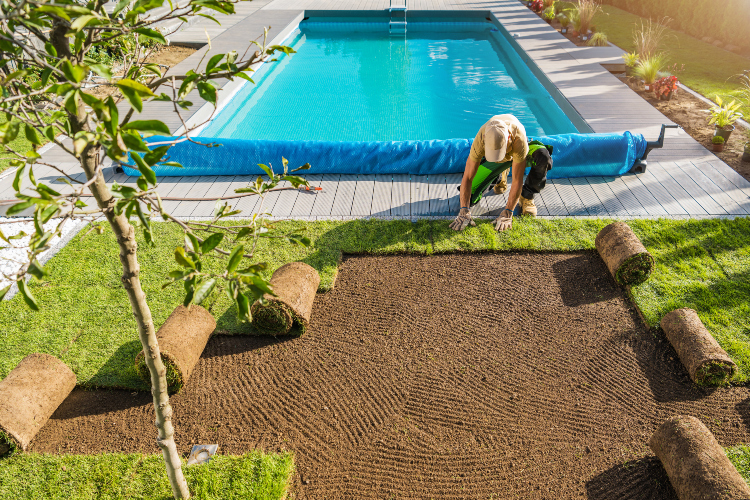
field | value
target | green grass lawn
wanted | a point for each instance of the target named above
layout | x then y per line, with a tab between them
85	317
112	476
708	70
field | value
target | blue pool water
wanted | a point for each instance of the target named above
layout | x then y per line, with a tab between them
360	84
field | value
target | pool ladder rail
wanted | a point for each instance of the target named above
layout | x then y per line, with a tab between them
397	25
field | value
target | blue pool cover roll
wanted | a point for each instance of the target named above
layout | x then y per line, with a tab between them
575	155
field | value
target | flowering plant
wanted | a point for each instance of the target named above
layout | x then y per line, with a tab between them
537	5
663	86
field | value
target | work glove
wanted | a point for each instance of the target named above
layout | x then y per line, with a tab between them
462	220
505	221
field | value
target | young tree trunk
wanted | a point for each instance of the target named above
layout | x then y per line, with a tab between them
125	234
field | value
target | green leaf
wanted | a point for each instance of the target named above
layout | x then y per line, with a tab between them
51	50
142	184
192	243
266	169
145	170
245	76
27	296
211	242
204	291
148	127
81	22
74	72
101	70
207	92
243	308
151	34
4	292
133	97
235	257
19	207
156	154
36	270
182	259
32	135
213	62
17	179
127	83
120	6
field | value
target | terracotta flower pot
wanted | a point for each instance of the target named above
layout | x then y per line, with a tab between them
718	148
574	33
647	87
666	97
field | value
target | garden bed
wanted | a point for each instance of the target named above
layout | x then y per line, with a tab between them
526	373
691	114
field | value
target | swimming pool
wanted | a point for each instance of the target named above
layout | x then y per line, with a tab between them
352	81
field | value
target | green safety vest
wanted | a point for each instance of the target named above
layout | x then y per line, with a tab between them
489	171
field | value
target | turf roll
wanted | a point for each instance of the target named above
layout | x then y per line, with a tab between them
182	339
706	362
695	463
625	256
295	285
29	395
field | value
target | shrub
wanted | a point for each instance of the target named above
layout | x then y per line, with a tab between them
630	59
649	36
648	69
548	14
548	4
717	139
563	20
665	85
724	114
586	10
598	40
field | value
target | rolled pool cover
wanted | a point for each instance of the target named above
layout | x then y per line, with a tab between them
625	256
295	285
29	395
706	362
695	463
182	339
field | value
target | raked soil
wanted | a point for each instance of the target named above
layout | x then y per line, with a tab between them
511	375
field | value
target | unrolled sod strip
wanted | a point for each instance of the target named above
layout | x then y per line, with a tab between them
29	395
625	256
695	463
182	339
295	285
706	362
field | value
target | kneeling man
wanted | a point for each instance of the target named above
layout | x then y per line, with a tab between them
501	139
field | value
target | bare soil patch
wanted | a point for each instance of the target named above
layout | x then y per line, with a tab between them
691	114
166	55
514	375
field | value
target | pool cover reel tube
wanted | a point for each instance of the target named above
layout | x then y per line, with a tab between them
575	155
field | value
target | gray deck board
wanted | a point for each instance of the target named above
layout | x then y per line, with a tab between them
306	199
324	199
569	197
401	195
342	204
420	195
362	205
438	195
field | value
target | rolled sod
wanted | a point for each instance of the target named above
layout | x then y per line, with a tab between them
182	339
29	395
695	463
625	256
706	362
295	285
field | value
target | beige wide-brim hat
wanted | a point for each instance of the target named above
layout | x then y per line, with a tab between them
496	138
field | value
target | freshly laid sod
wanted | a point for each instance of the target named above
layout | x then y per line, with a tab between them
740	458
85	317
708	70
251	476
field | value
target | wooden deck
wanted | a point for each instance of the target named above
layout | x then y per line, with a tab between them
683	179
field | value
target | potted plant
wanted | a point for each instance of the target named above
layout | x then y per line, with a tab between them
648	69
665	87
718	142
598	40
575	19
723	116
537	6
564	22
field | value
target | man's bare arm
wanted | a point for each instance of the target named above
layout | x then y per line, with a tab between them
469	172
519	168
